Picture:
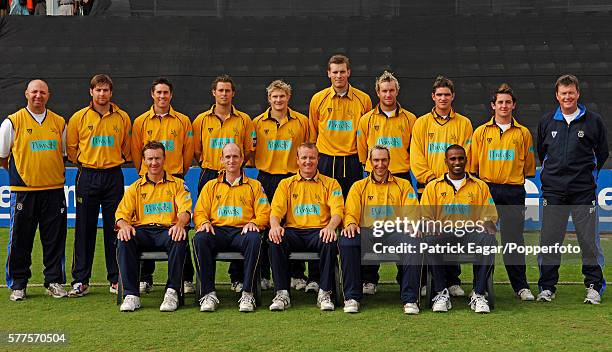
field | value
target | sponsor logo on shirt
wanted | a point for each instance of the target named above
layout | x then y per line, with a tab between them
501	154
437	147
43	145
158	208
456	209
219	143
103	141
307	209
390	142
381	211
279	144
168	144
228	211
339	125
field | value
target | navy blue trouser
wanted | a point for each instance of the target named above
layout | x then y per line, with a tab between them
409	267
235	269
270	182
150	238
345	169
510	202
95	188
302	240
483	267
555	212
369	273
226	238
148	266
451	272
47	211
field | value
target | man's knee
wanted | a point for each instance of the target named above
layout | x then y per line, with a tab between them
252	237
203	238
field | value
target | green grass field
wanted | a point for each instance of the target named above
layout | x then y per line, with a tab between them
95	323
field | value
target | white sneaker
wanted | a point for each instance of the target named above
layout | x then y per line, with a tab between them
56	290
246	303
281	301
592	296
324	300
266	284
369	288
479	304
209	302
351	306
170	303
525	295
188	287
312	287
237	286
130	303
17	295
298	284
78	290
145	287
114	288
411	308
423	291
546	296
441	302
456	291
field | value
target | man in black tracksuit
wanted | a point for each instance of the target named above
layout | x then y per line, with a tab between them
572	147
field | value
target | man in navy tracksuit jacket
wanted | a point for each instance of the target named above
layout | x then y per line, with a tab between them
572	147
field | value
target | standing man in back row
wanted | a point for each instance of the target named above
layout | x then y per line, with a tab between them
388	125
98	141
334	115
212	130
32	140
573	148
280	130
502	156
169	127
432	134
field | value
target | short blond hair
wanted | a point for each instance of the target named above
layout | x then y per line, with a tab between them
387	77
279	85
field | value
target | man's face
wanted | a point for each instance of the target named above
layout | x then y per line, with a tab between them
387	94
339	75
279	100
154	160
503	106
307	160
443	98
567	96
162	96
380	162
455	161
231	158
101	94
223	94
37	94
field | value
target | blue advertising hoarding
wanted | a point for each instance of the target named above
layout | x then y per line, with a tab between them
532	187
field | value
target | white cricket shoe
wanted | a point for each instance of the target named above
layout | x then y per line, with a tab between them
170	303
281	301
209	302
130	303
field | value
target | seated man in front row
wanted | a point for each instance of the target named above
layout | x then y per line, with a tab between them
230	214
153	215
378	197
465	202
312	206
